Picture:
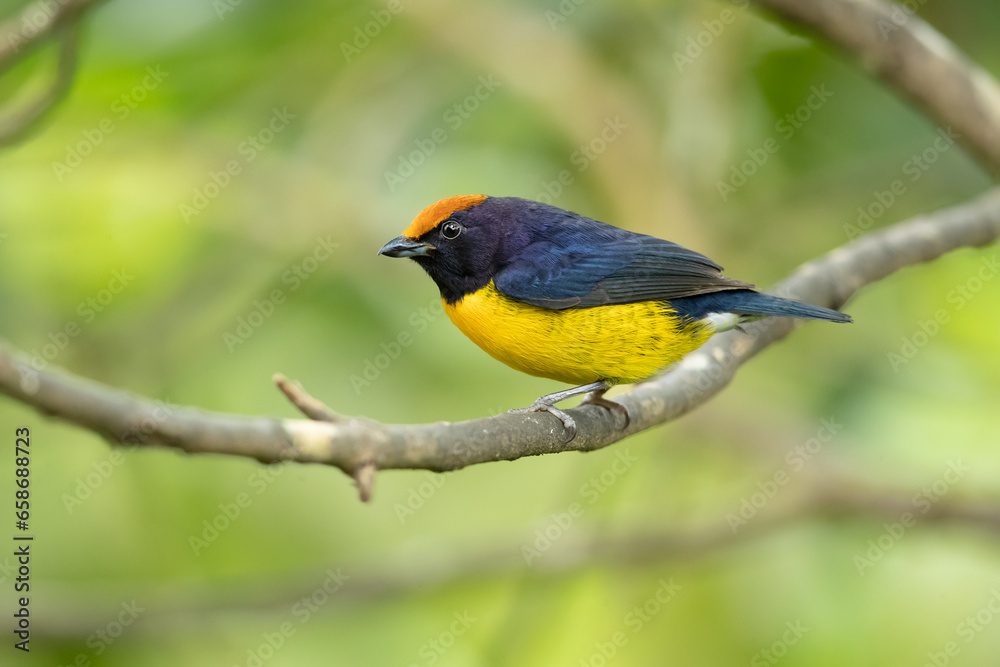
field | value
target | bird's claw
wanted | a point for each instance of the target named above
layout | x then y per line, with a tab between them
568	422
616	408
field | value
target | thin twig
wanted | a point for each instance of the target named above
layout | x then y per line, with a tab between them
364	479
311	407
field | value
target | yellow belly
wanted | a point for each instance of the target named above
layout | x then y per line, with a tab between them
623	343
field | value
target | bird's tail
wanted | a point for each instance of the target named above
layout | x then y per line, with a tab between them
755	303
751	305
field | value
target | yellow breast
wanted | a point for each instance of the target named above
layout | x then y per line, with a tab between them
624	343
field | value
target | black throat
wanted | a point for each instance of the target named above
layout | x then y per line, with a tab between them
454	286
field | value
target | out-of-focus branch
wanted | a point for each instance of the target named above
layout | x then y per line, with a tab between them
35	24
913	58
14	128
360	446
176	608
19	36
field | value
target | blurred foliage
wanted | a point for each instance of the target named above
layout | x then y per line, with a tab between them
558	71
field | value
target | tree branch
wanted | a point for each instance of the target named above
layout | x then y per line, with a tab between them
359	446
916	60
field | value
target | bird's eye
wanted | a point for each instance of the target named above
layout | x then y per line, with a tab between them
451	229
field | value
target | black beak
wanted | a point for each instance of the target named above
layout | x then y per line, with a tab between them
404	247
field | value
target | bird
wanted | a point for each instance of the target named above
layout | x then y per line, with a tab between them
558	295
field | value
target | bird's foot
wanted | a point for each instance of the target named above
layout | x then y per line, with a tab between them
598	399
547	404
542	406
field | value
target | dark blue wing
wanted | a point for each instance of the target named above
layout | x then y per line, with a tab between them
576	262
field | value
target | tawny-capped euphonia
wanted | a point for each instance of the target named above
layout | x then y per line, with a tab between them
557	295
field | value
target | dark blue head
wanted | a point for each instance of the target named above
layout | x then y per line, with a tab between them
463	241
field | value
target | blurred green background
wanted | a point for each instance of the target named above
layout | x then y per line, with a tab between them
188	88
